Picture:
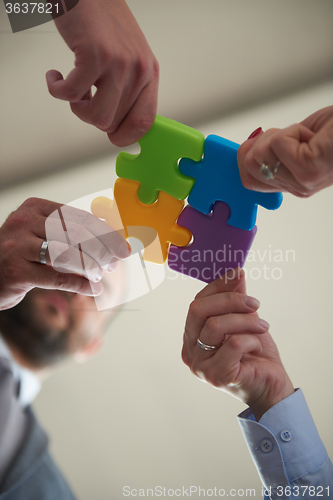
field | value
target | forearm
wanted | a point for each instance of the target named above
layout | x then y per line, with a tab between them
84	12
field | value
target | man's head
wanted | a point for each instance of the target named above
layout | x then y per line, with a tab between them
50	325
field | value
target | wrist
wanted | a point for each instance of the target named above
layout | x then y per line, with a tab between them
270	398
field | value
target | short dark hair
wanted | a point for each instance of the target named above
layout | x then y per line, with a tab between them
41	346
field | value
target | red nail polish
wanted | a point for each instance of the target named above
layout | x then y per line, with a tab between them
255	133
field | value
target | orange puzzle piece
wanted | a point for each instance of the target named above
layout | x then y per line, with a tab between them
154	225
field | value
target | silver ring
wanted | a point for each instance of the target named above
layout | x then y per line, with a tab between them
42	253
207	347
268	172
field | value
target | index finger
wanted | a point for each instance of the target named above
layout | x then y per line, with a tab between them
109	237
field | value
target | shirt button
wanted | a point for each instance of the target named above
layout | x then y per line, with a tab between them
266	445
286	435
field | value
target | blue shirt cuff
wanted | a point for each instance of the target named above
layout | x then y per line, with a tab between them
284	444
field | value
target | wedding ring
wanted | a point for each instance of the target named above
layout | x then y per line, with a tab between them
268	172
207	347
42	253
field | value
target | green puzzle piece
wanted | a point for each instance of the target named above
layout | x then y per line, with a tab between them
156	166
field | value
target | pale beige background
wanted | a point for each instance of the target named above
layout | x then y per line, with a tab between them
135	415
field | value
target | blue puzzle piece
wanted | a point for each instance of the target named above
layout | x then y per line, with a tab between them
217	178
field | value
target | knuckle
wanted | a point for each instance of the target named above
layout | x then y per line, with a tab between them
194	368
80	216
9	248
155	70
146	70
101	121
22	219
16	220
39	205
15	274
212	324
195	308
81	285
68	93
213	377
51	89
62	280
271	136
273	131
235	342
247	180
246	165
277	137
71	283
142	67
118	64
185	356
72	94
101	57
230	298
10	271
258	152
30	202
308	179
143	123
88	53
12	255
242	156
301	193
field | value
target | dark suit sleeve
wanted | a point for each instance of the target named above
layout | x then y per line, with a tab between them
27	470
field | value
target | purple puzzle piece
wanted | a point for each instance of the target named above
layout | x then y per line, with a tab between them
216	247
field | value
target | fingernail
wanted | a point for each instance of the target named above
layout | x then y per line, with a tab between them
94	278
112	266
255	133
96	289
251	302
263	324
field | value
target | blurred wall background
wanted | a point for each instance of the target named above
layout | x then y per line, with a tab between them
135	416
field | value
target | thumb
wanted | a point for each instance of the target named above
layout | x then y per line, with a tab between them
75	87
54	80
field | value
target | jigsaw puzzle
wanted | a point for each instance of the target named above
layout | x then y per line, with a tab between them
215	231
